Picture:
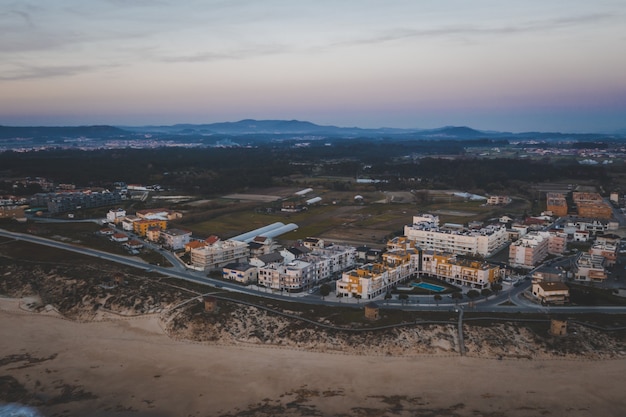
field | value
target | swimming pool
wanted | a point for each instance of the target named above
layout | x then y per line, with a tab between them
427	286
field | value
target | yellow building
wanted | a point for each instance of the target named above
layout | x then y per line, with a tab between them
471	273
372	280
141	226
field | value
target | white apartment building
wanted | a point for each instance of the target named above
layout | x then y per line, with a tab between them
128	223
116	215
529	250
219	254
589	267
607	251
294	276
427	234
175	239
340	257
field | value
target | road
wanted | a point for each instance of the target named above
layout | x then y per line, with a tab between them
425	303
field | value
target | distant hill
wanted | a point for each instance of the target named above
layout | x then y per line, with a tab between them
261	130
259	127
48	132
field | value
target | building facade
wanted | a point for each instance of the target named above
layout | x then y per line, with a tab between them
243	273
219	254
427	234
465	272
294	276
175	239
529	250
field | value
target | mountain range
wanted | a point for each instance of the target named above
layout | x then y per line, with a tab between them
281	128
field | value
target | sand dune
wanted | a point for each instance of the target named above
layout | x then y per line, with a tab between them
130	367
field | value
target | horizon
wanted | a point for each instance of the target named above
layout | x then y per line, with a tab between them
533	66
416	129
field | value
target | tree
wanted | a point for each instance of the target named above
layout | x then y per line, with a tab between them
403	297
485	292
473	294
387	297
496	287
457	296
324	290
437	299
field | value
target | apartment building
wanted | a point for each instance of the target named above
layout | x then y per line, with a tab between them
557	204
427	234
399	263
175	239
74	200
141	227
372	280
469	273
219	254
529	250
116	215
340	257
294	276
607	251
592	205
557	242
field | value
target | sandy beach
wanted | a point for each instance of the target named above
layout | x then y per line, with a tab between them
130	367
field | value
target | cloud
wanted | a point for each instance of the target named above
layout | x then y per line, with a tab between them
24	15
398	34
239	54
33	72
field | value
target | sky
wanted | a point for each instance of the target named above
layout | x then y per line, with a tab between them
533	65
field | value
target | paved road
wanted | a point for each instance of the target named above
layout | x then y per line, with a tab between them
493	304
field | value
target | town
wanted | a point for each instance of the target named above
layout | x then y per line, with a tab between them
573	241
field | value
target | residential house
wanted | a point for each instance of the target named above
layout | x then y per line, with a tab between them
128	223
158	214
589	268
116	215
119	237
241	272
498	200
551	292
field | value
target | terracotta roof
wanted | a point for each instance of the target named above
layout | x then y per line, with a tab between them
194	244
212	239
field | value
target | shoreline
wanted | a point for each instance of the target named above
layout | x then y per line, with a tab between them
131	367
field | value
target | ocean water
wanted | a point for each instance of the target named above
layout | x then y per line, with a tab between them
18	410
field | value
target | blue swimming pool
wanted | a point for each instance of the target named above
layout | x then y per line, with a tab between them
427	286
